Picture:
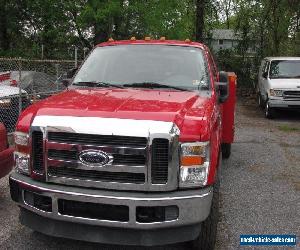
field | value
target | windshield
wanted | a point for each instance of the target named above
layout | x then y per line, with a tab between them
285	69
146	66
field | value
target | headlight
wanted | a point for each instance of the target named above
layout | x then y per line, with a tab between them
5	102
22	163
194	165
276	92
21	138
21	153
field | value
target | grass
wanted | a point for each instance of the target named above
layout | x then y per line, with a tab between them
287	128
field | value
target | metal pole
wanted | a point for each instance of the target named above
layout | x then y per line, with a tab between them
76	62
20	89
84	52
56	68
42	51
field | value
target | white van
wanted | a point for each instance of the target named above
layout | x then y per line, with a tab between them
279	84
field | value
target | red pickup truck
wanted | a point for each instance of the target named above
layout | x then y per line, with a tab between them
130	153
6	153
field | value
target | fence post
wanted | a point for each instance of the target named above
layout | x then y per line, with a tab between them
42	51
57	75
20	89
76	62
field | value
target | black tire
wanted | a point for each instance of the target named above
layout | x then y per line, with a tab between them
226	150
208	231
260	100
269	112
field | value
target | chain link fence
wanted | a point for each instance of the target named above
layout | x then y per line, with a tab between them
23	82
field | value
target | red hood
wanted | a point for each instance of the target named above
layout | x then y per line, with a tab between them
186	109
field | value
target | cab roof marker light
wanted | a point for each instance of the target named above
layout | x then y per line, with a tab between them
163	38
111	39
133	38
147	38
187	40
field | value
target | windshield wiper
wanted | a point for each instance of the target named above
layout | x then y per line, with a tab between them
153	85
97	84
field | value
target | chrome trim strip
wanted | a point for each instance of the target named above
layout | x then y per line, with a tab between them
102	126
98	184
107	148
107	167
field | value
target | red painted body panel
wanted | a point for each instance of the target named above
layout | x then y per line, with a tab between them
6	154
229	111
186	109
6	161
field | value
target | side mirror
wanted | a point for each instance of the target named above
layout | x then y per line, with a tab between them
66	78
66	82
222	86
265	75
71	73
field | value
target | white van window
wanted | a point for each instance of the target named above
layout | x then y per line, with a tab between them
285	69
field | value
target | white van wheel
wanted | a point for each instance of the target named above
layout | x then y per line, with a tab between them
269	112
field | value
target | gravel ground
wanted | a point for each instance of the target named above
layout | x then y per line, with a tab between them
260	188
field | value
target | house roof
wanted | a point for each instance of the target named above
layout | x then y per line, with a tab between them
224	34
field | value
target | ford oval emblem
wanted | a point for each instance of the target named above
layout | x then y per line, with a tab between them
95	158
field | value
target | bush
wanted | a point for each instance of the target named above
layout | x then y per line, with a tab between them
244	66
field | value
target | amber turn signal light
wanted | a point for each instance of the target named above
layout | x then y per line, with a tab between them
192	160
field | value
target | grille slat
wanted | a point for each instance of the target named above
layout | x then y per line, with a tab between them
123	177
291	94
37	152
159	166
118	158
89	139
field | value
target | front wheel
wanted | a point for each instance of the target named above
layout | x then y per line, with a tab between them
260	101
208	231
269	112
226	150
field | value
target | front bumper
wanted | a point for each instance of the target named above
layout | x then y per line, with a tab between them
193	208
284	103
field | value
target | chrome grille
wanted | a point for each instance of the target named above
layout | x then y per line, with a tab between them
291	94
129	165
138	163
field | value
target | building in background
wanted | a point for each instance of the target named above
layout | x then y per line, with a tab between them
221	39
